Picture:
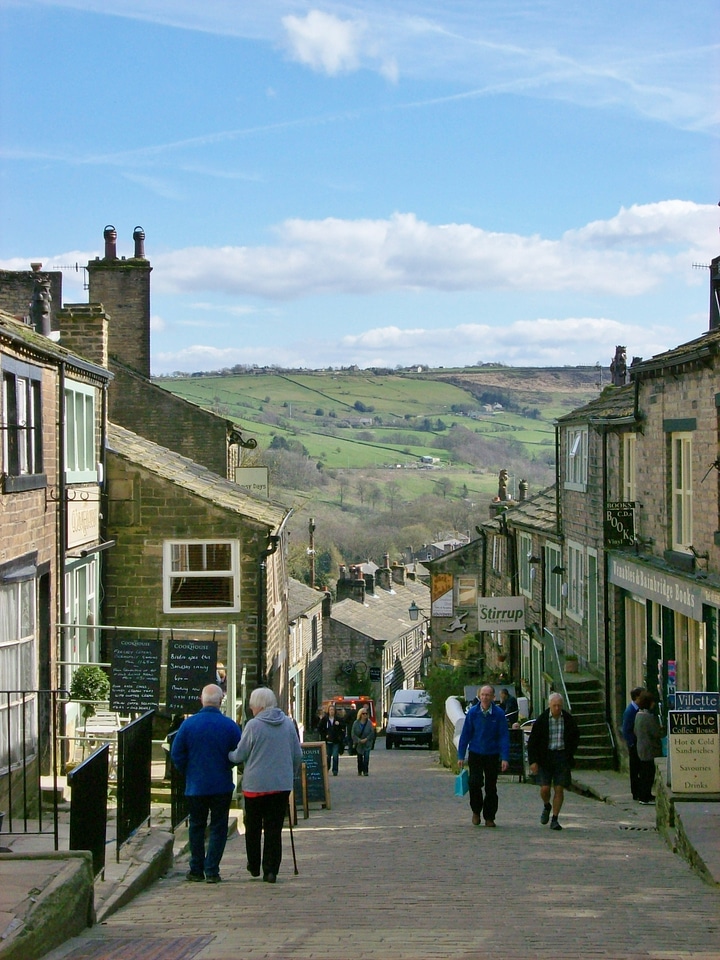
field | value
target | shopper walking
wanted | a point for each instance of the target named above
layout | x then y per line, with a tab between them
272	755
551	754
200	752
363	738
485	739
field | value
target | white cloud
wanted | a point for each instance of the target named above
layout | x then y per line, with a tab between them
627	255
543	342
324	42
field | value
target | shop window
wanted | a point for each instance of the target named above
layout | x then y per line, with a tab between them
22	426
201	575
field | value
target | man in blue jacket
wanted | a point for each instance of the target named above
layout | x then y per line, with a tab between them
200	752
486	740
628	732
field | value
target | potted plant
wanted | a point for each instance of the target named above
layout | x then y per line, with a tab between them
444	650
89	685
571	663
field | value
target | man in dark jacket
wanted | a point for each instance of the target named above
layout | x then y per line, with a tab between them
486	740
628	732
551	755
200	752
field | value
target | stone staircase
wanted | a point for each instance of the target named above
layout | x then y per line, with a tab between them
595	751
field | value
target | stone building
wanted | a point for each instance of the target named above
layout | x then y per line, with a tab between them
304	656
50	538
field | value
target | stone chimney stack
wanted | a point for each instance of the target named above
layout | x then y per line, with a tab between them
398	574
523	490
352	586
384	577
122	286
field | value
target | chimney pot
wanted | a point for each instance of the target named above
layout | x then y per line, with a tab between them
139	238
110	235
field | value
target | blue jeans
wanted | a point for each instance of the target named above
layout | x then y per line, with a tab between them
333	753
217	807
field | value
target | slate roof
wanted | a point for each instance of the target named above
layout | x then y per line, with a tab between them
195	478
384	615
301	598
538	513
614	403
701	348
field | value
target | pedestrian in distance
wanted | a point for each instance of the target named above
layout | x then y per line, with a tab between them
648	734
510	705
485	739
363	738
200	752
332	731
272	756
551	754
628	732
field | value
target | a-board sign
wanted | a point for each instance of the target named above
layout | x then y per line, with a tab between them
191	666
694	751
313	786
135	675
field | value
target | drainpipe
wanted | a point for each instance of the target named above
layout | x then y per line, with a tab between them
62	519
273	543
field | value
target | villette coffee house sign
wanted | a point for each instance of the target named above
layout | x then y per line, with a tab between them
694	743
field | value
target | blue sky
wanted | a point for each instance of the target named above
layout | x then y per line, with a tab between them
373	182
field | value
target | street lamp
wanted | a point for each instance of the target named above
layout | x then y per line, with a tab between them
414	611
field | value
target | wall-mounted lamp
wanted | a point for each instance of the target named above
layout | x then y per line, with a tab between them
414	611
532	559
558	570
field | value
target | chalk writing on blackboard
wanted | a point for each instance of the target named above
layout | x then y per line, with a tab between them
191	666
135	675
314	786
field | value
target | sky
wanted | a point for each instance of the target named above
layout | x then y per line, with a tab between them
379	182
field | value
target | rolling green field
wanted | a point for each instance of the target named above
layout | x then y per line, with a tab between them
357	420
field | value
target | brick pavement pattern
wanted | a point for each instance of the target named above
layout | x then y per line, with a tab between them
396	871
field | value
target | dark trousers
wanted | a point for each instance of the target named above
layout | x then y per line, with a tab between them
363	761
646	779
264	818
634	762
217	807
483	769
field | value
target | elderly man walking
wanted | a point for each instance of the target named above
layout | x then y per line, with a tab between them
200	752
551	755
486	740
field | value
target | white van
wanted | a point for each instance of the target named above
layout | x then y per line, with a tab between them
409	720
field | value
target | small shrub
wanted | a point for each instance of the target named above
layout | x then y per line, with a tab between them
89	683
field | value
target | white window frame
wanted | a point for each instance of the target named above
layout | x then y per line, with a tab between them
681	491
524	566
79	434
18	667
21	422
576	458
171	573
629	471
575	608
553	581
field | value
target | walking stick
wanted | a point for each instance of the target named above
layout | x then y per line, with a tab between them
292	840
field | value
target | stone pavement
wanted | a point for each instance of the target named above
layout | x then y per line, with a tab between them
396	870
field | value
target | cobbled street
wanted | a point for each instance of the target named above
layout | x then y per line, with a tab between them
396	871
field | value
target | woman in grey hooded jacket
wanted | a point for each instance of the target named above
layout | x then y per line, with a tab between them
270	751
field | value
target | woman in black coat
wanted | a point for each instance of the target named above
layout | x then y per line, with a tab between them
332	731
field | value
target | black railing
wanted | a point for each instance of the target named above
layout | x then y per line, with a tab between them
88	806
134	760
178	802
30	761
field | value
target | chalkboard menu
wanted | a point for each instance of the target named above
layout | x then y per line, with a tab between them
135	676
191	666
312	783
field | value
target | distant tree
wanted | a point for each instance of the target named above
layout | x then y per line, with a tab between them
392	494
